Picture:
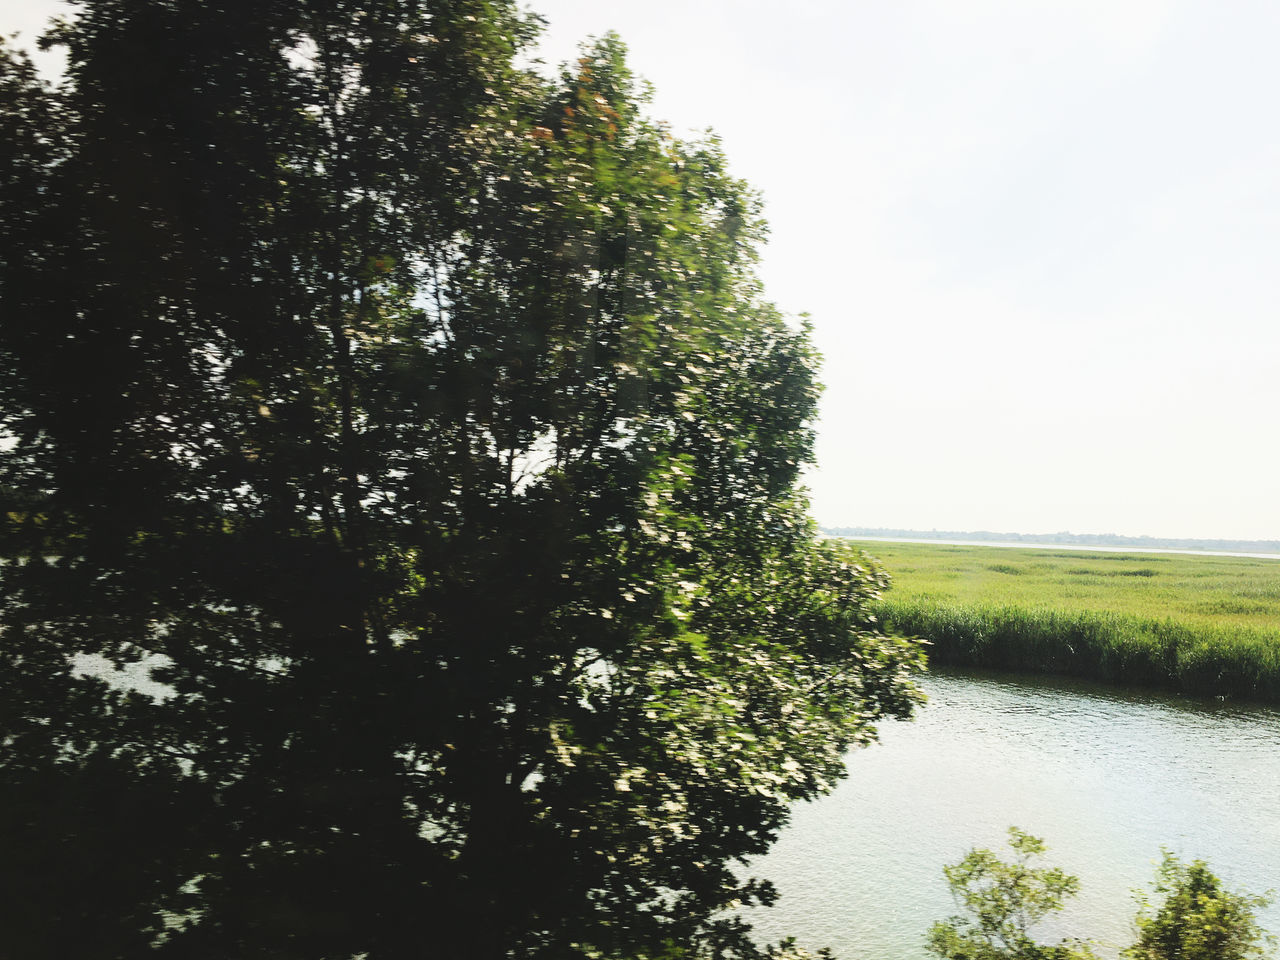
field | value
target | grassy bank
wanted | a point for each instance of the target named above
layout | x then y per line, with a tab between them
1201	625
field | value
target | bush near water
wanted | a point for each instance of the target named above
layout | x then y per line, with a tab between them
1200	625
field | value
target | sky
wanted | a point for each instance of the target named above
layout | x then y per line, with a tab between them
1039	241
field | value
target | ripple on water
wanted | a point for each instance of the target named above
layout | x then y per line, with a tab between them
1106	777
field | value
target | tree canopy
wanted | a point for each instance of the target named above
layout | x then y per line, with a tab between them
1004	900
402	547
1197	918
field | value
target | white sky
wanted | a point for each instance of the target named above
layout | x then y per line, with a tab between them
1040	242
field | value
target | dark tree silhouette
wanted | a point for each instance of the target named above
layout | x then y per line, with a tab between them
402	553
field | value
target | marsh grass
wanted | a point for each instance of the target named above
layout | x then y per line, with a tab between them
1201	625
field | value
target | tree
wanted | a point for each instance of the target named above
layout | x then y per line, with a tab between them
418	425
1198	919
1004	900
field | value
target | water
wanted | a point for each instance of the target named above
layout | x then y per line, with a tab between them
1105	777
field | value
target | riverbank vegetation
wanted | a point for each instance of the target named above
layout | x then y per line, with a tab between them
1200	625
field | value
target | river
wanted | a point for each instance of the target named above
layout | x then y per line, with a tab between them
1106	777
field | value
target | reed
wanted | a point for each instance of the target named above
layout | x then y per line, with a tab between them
1205	626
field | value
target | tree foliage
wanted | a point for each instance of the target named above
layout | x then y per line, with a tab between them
402	549
1197	918
1004	900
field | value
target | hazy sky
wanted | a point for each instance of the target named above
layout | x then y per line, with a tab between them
1040	242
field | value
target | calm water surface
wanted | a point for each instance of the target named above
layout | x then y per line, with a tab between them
1105	777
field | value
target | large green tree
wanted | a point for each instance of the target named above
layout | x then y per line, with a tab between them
411	434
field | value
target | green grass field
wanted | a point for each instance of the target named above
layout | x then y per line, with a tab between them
1194	623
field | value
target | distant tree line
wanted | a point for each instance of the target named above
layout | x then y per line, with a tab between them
1064	537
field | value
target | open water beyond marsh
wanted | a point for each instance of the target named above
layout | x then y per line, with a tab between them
1106	777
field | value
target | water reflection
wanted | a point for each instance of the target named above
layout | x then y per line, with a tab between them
1106	776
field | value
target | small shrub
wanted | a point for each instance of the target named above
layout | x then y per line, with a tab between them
1198	919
